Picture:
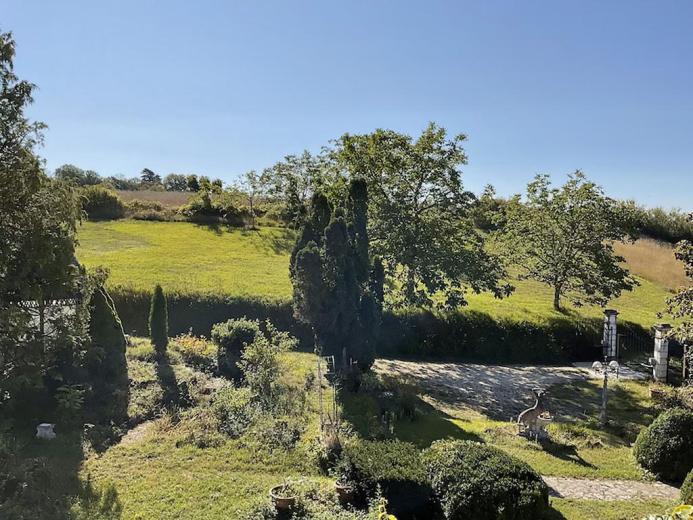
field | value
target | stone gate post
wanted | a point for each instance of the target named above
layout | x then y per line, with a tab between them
609	336
661	352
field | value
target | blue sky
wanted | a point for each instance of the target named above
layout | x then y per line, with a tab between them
218	88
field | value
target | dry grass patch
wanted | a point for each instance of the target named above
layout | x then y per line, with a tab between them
654	261
169	199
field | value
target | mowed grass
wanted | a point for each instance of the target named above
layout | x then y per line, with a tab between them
189	258
192	258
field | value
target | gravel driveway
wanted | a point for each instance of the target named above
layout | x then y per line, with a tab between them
500	392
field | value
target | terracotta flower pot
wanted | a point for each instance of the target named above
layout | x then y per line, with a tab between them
281	502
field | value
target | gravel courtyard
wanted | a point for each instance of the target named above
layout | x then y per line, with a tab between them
500	392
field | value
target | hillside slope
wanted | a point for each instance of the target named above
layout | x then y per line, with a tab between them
192	259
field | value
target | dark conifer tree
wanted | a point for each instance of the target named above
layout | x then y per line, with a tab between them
158	321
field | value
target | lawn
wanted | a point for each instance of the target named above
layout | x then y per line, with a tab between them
191	258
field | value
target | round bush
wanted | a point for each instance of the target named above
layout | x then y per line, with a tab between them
233	336
472	480
687	489
666	446
100	203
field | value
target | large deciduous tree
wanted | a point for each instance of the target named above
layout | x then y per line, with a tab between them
40	343
337	286
419	215
563	237
680	305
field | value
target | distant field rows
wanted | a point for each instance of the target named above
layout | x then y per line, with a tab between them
193	258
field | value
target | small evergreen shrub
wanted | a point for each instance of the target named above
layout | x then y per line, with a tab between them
472	480
158	321
106	363
666	446
100	203
687	489
393	466
232	337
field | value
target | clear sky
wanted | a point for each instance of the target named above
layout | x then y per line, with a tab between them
218	88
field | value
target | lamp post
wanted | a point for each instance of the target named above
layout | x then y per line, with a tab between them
605	368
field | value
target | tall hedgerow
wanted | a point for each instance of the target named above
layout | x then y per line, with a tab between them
158	321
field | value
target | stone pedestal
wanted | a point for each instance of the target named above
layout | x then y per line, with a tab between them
661	352
609	336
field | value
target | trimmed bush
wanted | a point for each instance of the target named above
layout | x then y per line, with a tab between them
396	467
472	480
100	203
106	363
666	446
232	337
158	321
687	489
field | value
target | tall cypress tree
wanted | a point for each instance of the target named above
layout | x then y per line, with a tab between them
331	275
158	321
106	363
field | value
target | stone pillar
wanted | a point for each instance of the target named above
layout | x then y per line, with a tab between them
661	352
609	336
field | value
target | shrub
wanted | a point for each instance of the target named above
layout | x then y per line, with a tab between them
666	446
472	480
149	210
100	203
232	337
106	363
234	410
195	351
687	489
393	466
158	321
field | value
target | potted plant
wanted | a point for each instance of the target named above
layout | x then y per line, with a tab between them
283	496
342	473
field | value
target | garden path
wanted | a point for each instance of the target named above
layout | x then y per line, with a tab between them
591	489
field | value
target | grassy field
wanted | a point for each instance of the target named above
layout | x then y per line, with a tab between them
192	258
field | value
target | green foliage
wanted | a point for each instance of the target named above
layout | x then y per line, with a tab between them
336	287
472	480
100	203
195	351
563	237
234	410
668	225
666	446
394	467
158	320
232	337
75	176
106	364
680	306
420	215
175	182
259	363
40	346
687	489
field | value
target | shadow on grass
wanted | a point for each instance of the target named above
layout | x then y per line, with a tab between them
40	479
565	452
167	380
552	514
365	412
279	241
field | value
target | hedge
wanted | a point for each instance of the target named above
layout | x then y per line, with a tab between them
396	469
472	480
687	489
665	447
465	335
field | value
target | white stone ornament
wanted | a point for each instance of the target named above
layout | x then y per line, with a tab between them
45	431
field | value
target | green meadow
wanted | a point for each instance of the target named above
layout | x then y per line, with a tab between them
196	258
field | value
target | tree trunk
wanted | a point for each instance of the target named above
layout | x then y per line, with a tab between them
557	298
